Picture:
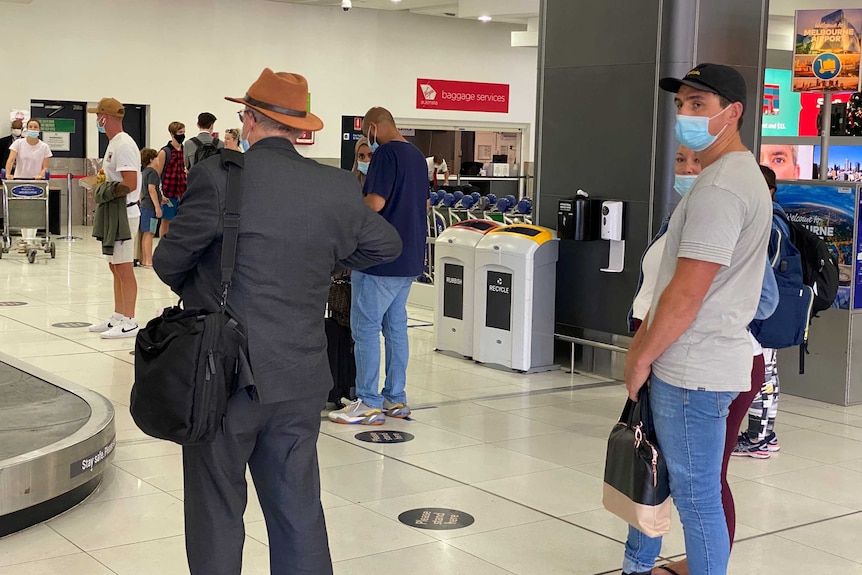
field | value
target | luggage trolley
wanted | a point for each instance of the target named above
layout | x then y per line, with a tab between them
25	209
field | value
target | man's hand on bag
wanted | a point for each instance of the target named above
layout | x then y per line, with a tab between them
636	375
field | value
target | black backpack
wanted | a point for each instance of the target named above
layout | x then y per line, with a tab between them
819	266
205	150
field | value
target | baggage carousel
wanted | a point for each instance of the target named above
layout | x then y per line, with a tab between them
56	439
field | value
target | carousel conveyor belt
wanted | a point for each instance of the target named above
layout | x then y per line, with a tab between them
56	439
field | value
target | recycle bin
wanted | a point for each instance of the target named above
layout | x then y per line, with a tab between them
516	269
455	270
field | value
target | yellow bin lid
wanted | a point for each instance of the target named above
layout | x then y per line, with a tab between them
538	234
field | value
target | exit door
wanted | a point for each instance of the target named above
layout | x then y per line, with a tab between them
134	124
64	126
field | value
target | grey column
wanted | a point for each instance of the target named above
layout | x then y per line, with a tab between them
604	126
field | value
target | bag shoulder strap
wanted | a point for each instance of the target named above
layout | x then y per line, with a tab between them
233	161
197	141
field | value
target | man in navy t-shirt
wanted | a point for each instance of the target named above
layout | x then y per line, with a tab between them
397	188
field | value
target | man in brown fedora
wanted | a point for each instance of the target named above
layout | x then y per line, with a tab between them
299	222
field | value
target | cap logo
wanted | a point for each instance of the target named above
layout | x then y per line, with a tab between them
694	73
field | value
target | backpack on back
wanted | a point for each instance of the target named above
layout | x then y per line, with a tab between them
819	268
788	324
205	149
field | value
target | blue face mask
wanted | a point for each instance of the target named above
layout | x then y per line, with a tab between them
244	145
682	183
101	128
33	133
363	167
373	144
693	131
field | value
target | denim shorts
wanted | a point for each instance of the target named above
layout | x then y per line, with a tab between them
169	210
149	221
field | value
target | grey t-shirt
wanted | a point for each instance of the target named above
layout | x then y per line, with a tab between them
189	147
725	218
150	176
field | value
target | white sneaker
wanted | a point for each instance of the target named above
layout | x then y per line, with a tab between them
357	413
104	326
126	328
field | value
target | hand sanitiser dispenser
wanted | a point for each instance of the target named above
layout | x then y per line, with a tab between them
578	218
612	230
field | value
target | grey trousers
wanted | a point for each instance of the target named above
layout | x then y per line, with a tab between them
278	442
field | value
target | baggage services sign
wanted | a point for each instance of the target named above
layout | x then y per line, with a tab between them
462	96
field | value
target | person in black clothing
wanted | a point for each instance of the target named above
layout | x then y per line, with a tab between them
5	143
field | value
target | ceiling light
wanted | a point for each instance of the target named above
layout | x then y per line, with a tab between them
395	1
485	18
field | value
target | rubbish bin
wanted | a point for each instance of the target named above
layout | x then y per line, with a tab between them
516	268
455	268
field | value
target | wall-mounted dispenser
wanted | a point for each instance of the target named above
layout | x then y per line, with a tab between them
578	218
612	230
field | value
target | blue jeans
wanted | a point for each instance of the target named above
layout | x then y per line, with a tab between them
691	427
380	303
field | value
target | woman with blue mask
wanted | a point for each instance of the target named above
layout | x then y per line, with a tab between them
362	159
29	155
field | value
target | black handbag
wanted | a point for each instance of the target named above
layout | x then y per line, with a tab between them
636	487
186	361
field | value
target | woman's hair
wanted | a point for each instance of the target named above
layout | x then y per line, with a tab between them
147	156
175	127
233	132
38	123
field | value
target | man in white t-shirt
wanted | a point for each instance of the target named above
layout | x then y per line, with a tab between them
122	163
437	167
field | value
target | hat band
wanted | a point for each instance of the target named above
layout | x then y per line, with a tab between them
277	109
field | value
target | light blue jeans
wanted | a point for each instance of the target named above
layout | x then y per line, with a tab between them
690	426
379	303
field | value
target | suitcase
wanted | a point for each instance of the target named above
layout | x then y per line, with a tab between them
341	361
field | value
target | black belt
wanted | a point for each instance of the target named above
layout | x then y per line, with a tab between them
132	204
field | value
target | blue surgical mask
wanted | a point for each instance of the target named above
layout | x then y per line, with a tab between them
693	131
101	128
363	167
682	183
32	133
244	145
373	144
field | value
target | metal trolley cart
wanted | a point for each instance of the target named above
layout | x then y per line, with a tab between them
25	209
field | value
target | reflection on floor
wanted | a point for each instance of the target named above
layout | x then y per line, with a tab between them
522	454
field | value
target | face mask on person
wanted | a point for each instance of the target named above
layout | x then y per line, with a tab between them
363	167
682	183
32	133
372	142
693	131
180	138
100	125
244	145
17	132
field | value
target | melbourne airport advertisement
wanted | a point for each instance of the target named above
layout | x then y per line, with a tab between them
830	212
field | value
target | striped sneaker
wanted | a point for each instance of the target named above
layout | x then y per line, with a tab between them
747	448
357	413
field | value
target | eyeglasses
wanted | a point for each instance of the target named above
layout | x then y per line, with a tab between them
241	115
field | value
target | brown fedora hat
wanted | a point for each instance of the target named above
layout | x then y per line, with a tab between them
282	97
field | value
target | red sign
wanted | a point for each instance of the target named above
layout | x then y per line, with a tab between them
811	103
462	96
357	124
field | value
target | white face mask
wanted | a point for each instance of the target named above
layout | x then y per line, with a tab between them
17	132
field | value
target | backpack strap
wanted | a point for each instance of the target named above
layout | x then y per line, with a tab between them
233	161
197	141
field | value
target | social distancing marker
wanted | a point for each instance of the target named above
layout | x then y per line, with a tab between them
71	324
436	519
384	436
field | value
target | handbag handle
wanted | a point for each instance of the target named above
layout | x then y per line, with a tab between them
639	413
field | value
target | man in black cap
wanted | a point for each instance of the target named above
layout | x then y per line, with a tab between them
696	351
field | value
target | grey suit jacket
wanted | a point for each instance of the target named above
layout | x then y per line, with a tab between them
299	221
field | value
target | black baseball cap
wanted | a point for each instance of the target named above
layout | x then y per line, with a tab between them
716	78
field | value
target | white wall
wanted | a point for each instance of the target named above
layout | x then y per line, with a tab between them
182	56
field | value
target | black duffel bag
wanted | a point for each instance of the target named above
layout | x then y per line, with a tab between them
186	361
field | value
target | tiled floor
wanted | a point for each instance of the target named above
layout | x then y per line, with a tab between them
522	454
